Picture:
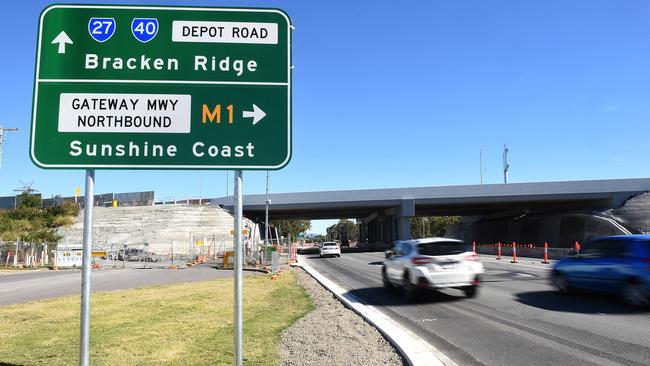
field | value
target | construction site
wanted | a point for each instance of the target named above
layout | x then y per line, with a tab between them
132	229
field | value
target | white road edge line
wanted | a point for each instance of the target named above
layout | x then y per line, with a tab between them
415	350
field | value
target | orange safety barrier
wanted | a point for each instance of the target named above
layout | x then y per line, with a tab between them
514	253
545	261
294	253
499	250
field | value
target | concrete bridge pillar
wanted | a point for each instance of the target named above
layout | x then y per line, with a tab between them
405	211
403	228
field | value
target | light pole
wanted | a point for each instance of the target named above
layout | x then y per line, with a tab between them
2	131
200	188
481	163
506	166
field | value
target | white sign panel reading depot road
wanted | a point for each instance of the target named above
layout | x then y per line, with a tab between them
225	32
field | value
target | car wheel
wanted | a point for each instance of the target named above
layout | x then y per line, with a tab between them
561	283
409	291
384	278
338	255
470	291
321	256
635	294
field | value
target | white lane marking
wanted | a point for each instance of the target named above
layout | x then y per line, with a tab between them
520	265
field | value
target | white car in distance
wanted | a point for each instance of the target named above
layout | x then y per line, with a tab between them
330	248
431	263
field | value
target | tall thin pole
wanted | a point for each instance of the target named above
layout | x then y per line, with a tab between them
481	163
200	190
89	199
2	131
506	166
266	215
238	321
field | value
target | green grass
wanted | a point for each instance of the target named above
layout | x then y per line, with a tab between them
183	324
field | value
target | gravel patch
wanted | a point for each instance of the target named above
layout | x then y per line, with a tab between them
332	334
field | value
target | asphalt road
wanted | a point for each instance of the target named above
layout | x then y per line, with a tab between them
517	318
28	286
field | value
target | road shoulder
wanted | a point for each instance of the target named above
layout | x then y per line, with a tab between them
414	349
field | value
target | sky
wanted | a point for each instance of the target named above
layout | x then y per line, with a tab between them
407	94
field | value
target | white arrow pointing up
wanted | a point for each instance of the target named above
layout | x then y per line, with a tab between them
62	39
256	113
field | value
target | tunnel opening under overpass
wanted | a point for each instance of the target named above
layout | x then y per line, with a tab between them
558	211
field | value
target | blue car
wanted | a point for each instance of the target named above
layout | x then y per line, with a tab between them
613	264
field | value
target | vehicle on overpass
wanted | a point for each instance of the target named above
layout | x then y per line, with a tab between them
431	263
612	264
330	249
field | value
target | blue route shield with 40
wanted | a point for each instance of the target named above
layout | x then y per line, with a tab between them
144	29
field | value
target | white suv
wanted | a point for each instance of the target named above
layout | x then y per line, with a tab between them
431	263
330	248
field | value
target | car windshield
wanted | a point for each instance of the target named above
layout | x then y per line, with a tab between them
443	248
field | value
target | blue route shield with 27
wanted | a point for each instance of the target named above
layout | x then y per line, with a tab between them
101	29
144	29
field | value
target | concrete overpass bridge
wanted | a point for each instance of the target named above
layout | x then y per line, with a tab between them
385	213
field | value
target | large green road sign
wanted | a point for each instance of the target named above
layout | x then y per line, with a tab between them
162	88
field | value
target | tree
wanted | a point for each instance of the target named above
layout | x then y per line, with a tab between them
291	228
33	223
343	230
318	238
428	226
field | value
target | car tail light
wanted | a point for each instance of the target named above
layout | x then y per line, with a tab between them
471	257
420	261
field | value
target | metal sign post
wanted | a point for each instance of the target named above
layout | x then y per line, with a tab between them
238	269
84	356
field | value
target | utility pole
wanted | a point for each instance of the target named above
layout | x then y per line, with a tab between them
506	166
2	132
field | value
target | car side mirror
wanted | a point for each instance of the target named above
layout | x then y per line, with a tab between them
388	254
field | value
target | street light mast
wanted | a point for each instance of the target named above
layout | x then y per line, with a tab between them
2	131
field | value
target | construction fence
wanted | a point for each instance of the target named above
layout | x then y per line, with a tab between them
22	254
145	198
217	250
